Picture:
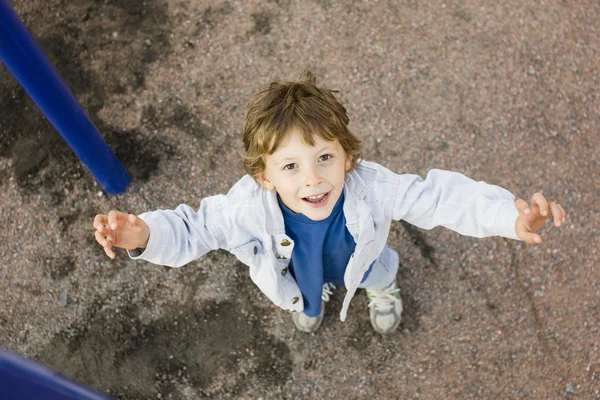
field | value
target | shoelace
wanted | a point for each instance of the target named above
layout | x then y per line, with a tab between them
384	299
327	291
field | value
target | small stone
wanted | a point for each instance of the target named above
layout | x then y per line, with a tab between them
531	70
62	300
571	389
99	194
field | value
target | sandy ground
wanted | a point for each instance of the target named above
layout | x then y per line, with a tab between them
505	92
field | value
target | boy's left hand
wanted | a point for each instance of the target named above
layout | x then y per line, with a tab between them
533	216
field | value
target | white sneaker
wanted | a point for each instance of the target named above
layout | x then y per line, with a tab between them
311	324
385	308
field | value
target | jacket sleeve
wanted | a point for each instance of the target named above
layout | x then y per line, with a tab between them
454	201
181	235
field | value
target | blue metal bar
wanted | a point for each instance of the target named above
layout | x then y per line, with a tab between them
25	60
24	379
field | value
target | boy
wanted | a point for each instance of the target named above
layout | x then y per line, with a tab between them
310	214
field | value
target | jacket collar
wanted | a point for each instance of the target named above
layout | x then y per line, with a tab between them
357	184
274	224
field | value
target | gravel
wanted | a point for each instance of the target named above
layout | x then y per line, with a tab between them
504	92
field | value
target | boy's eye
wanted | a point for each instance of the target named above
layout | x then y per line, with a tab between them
325	157
290	166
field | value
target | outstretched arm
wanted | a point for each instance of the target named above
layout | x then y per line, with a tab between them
452	200
168	237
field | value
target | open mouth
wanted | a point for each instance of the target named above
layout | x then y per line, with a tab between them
318	199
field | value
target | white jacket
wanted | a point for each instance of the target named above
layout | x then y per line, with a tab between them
248	223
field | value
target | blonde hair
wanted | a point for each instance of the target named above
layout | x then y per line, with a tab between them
277	109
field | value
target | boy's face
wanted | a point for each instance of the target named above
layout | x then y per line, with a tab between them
309	179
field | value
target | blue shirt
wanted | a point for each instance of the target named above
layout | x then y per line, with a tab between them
321	252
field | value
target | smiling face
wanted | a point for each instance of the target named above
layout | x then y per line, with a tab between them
309	179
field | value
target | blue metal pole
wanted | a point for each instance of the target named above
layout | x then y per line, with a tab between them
25	60
21	379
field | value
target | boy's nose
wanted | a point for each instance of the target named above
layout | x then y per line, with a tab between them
312	177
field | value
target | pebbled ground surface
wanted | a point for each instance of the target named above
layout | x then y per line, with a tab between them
505	92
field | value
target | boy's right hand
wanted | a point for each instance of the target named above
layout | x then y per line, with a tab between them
120	230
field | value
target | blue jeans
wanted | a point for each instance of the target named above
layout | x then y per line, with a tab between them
384	270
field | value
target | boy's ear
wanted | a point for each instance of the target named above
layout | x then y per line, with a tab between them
348	163
262	179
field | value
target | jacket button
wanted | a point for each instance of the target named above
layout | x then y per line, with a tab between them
284	272
255	250
285	242
295	300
